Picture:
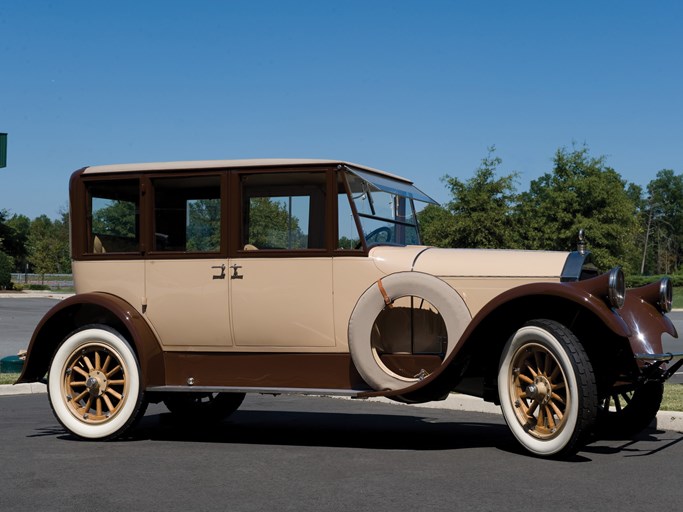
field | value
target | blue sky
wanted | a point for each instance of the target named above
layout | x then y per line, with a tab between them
418	88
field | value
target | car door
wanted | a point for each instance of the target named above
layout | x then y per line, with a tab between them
281	279
187	290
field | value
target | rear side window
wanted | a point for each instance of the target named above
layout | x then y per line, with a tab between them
187	214
113	216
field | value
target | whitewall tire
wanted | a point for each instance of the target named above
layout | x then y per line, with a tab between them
547	388
94	384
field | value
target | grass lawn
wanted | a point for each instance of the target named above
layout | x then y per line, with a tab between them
678	297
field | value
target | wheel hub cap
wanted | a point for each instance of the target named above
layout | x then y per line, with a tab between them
540	390
96	383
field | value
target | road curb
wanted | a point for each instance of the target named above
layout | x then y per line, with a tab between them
666	420
22	389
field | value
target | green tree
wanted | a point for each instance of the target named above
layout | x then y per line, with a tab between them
6	266
48	245
662	221
115	217
580	193
479	213
204	226
13	237
270	225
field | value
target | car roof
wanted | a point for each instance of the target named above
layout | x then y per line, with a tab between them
229	164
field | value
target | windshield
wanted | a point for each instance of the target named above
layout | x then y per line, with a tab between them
385	208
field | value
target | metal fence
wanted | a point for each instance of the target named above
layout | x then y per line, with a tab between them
54	281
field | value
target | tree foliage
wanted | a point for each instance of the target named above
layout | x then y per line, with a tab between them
663	223
270	225
6	267
479	213
48	245
581	192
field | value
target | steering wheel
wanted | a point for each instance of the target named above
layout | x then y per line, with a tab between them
375	233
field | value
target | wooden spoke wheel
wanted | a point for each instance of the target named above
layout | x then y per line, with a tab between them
547	388
540	391
94	384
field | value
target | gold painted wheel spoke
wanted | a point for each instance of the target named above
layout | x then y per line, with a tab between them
79	397
107	360
98	406
88	363
532	408
549	417
97	360
557	411
533	373
525	379
557	398
114	394
118	382
110	406
113	371
76	383
80	371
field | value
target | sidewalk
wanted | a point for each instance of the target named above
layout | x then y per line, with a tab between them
666	420
35	294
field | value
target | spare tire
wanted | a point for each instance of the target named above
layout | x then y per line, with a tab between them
382	295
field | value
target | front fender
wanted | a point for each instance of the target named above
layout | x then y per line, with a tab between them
510	310
92	308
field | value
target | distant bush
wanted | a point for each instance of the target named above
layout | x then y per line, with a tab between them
6	266
636	281
36	287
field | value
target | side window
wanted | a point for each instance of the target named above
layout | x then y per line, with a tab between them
283	211
187	214
113	216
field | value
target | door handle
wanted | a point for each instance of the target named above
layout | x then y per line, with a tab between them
222	269
235	275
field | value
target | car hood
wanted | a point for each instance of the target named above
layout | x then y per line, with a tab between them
470	262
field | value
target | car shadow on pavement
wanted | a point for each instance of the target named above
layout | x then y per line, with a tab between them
648	442
329	429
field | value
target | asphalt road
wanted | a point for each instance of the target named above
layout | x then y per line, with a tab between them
18	318
319	454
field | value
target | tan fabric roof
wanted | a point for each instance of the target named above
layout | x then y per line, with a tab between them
226	164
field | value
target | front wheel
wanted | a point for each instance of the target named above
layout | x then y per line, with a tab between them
547	388
94	384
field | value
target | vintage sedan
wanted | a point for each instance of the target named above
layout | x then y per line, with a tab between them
198	282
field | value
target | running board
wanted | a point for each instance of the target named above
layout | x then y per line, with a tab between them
353	393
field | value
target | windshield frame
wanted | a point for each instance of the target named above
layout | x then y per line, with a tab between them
398	224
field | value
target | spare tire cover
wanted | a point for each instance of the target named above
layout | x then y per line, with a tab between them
445	299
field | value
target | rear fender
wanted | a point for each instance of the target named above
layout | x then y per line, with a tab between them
93	308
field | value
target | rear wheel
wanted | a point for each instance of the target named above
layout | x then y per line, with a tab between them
627	411
203	406
94	384
547	389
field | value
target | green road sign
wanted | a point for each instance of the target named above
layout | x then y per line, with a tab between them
3	150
